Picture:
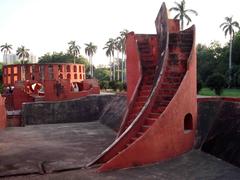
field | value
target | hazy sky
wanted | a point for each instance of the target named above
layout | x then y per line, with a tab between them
48	25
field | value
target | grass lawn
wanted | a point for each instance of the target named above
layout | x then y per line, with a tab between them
226	92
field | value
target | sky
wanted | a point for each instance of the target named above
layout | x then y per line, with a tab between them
48	25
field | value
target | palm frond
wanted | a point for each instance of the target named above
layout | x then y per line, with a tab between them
177	16
192	11
188	19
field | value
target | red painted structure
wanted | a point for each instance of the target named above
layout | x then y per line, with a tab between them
3	115
160	121
48	82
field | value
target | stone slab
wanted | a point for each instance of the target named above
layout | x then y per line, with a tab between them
52	147
190	166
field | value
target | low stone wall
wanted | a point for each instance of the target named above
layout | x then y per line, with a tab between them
218	129
86	109
114	112
3	115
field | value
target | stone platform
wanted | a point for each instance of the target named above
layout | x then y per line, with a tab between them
61	151
53	147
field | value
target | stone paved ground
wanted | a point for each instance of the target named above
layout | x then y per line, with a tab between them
194	165
49	148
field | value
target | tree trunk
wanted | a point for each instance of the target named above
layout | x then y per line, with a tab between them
230	61
114	69
110	68
118	73
182	23
122	67
91	67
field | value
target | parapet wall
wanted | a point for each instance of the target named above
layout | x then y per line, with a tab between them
3	118
86	109
219	127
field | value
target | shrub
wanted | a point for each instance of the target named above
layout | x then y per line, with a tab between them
104	84
125	86
112	85
1	88
216	82
199	85
119	86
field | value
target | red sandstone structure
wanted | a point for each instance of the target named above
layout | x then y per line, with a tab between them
45	82
160	121
3	115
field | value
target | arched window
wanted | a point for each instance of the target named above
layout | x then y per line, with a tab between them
60	76
75	76
68	68
75	68
68	76
60	68
188	122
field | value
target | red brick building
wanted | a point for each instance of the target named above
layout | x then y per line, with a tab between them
48	82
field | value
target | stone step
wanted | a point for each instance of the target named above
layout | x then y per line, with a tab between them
158	109
154	115
149	121
144	128
170	86
146	87
144	92
167	91
142	98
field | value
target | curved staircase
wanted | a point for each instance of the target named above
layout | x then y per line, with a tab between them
148	64
154	127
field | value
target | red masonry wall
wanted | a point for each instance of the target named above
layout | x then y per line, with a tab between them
3	119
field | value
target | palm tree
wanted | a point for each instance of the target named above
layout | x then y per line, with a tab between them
6	49
228	28
111	45
122	40
118	47
182	13
109	53
90	50
74	49
22	53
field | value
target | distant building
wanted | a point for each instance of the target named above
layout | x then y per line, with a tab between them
102	66
13	58
9	58
32	59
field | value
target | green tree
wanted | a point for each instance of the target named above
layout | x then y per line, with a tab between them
22	53
60	57
6	49
236	49
90	50
122	41
111	43
118	47
182	13
228	27
211	60
102	74
1	83
74	49
109	47
216	82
